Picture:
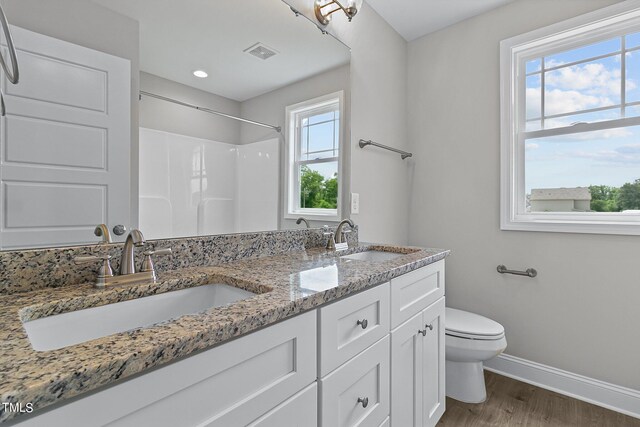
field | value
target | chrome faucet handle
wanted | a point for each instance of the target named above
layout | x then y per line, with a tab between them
105	270
331	242
147	263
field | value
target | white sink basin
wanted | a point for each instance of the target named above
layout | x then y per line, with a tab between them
62	330
374	256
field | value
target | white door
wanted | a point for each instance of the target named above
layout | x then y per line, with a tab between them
406	373
433	367
64	144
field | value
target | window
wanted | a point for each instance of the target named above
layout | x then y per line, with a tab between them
570	123
314	153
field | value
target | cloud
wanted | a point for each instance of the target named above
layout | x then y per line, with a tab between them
530	146
577	88
625	154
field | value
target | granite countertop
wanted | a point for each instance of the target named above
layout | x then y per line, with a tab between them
286	285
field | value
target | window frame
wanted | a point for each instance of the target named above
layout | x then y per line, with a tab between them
617	20
292	159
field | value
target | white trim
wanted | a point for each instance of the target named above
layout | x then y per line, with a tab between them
611	21
600	393
289	156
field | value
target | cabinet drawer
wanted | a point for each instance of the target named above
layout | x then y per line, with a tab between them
299	411
413	292
232	384
364	377
342	337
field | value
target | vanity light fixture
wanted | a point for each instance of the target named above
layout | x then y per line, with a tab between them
324	9
200	73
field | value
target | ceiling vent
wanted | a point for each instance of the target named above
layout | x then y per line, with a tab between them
260	50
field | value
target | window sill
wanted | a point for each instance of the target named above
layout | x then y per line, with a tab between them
331	217
630	228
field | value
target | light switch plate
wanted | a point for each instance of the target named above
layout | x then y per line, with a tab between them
355	203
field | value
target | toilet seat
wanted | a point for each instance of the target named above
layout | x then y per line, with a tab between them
462	324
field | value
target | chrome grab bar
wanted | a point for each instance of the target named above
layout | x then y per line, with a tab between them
404	154
530	272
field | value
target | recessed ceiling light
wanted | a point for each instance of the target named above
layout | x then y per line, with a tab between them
200	73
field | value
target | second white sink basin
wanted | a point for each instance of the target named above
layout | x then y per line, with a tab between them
63	330
374	256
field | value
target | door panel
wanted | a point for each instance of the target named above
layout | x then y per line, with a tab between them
406	374
64	144
433	370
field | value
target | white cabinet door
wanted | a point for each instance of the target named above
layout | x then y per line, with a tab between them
357	393
64	144
433	364
406	373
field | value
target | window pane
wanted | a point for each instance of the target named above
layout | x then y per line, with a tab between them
533	125
582	87
321	118
633	76
533	65
586	52
319	186
632	40
632	111
534	97
321	139
586	171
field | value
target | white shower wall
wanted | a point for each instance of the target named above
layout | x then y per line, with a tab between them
192	186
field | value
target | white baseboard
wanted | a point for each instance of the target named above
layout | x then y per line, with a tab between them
610	396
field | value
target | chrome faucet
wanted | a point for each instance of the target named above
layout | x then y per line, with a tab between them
337	240
302	219
127	260
128	274
340	237
102	230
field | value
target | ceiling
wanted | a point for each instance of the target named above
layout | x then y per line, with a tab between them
178	37
415	18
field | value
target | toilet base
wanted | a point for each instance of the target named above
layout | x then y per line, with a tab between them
465	382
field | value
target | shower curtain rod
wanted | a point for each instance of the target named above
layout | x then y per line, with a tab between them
207	110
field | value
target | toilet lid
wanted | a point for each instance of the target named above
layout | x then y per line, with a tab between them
469	325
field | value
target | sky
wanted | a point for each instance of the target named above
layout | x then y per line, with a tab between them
608	157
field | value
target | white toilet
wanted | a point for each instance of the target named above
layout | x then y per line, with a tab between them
470	340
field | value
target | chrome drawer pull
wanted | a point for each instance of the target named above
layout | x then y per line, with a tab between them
363	323
430	326
423	332
363	401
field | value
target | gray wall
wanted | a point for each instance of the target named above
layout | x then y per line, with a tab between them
378	112
270	107
168	117
581	312
92	26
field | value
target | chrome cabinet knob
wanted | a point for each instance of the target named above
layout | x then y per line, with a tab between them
430	326
364	401
119	230
363	323
423	332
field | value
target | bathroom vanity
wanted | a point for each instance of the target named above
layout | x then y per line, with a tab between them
326	340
